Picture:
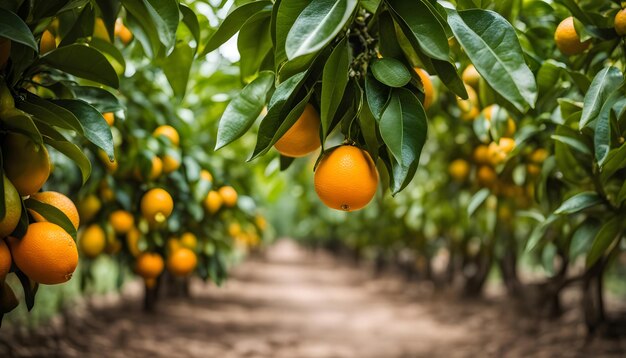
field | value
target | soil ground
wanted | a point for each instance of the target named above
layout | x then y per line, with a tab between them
294	304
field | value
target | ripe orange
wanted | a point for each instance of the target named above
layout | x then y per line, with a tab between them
92	241
5	260
182	262
470	76
481	154
429	91
213	202
59	201
567	40
106	193
469	107
13	209
132	241
533	169
173	244
157	168
48	43
229	195
538	155
122	221
206	175
234	229
149	265
189	240
459	170
170	164
111	166
303	137
28	165
486	176
507	144
495	110
122	32
169	132
156	205
109	117
100	30
46	254
260	222
88	207
5	51
346	178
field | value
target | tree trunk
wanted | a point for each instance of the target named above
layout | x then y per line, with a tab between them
593	303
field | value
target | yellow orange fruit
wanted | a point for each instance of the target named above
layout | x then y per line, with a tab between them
486	176
567	40
88	207
122	32
46	254
206	175
132	241
5	260
507	144
149	265
122	221
303	137
429	90
538	155
496	154
459	170
106	193
156	205
481	154
469	107
170	164
189	240
48	42
260	222
173	244
229	195
59	201
492	111
213	202
471	76
182	262
234	230
92	241
533	169
28	165
157	168
111	166
5	51
169	132
109	117
12	207
346	178
100	30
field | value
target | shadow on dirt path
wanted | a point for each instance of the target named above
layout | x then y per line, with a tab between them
294	304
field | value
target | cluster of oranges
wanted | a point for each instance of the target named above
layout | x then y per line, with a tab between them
568	40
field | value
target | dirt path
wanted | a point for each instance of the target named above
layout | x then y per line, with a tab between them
293	305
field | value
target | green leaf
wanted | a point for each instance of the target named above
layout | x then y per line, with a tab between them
16	30
254	43
52	214
30	289
390	72
424	27
103	100
82	28
83	61
334	81
165	16
177	66
450	77
111	53
73	152
317	25
572	142
604	83
377	95
492	45
477	200
284	18
582	238
233	22
96	129
20	121
605	237
244	109
403	128
578	202
50	113
191	21
602	134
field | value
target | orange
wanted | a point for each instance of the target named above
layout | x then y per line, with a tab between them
5	51
100	30
538	155
92	241
169	132
122	221
533	169
206	175
229	195
132	241
567	40
459	170
495	110
26	163
157	205
13	209
111	166
149	265
189	240
260	222
429	91
88	207
507	144
234	229
122	32
182	262
106	193
46	254
59	201
109	117
471	76
173	244
303	137
48	43
213	202
346	178
469	107
5	260
157	168
496	154
170	164
113	244
481	154
486	176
